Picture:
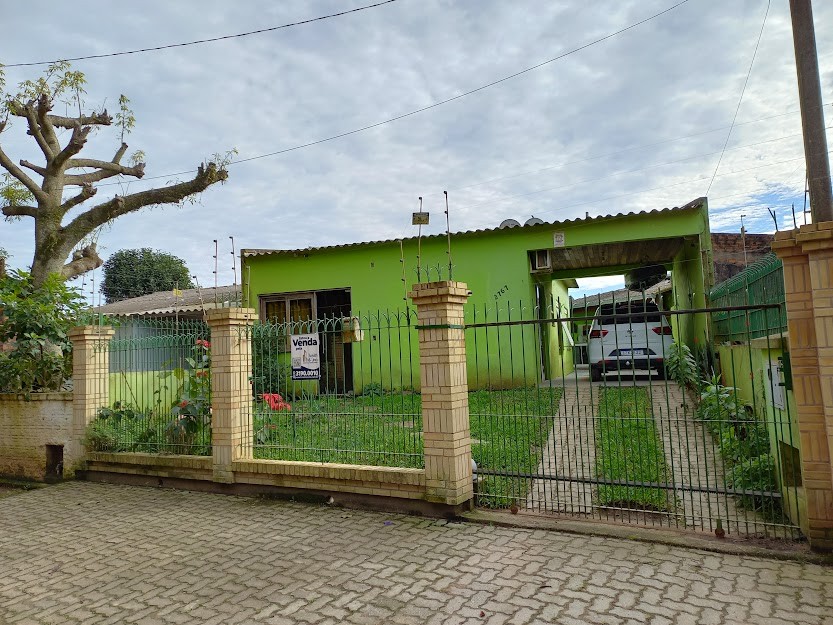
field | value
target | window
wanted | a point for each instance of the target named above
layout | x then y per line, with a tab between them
293	307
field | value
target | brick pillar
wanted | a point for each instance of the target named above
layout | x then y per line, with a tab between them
445	400
231	389
807	254
90	380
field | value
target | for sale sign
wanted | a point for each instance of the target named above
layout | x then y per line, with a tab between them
306	364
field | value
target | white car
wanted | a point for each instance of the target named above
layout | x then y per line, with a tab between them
631	335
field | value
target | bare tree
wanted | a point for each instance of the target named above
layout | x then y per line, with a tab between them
62	240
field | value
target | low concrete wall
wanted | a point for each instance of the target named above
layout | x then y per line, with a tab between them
27	426
310	477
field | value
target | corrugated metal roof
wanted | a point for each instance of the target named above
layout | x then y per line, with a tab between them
620	295
166	303
247	253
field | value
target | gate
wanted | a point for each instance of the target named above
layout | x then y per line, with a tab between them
706	440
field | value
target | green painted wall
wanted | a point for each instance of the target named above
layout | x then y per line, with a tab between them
495	266
142	389
744	367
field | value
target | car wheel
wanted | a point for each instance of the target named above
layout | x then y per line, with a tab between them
660	373
595	374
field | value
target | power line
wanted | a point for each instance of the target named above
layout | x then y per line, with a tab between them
470	92
581	160
628	171
201	41
625	150
742	91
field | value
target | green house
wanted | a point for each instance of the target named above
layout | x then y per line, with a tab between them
357	291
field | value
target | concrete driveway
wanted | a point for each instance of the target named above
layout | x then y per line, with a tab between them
95	554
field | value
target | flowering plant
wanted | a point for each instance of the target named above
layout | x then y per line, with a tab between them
193	408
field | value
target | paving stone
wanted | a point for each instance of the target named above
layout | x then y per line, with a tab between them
100	554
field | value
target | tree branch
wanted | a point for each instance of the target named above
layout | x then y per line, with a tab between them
137	171
73	147
121	205
119	153
19	211
35	130
83	260
96	119
35	168
87	191
107	169
44	106
14	170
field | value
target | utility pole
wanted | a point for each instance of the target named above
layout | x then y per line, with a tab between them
812	112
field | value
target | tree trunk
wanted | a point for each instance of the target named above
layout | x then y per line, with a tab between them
43	267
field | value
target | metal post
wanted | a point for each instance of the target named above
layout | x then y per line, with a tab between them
743	241
812	112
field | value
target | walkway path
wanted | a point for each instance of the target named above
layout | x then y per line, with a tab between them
690	453
695	461
98	554
570	452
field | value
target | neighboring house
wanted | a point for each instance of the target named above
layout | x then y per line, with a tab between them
732	252
184	304
155	335
521	271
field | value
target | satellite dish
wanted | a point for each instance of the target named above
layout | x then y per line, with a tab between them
533	221
509	223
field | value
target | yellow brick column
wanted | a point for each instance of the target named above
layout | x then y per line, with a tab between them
90	380
445	400
807	254
231	391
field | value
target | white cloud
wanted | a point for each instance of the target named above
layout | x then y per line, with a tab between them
678	75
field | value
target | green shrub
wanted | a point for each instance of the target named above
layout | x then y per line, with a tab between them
755	474
680	365
373	389
101	436
743	441
718	405
269	374
36	321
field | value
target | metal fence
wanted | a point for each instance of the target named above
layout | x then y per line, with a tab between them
705	439
339	389
159	389
759	284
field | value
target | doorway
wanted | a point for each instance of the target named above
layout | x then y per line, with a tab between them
336	356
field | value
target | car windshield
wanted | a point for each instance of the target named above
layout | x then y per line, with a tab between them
629	313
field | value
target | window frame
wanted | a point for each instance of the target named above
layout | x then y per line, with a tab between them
286	298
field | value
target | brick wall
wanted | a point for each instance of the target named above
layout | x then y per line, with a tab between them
727	252
28	426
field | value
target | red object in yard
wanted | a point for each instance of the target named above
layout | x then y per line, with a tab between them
275	401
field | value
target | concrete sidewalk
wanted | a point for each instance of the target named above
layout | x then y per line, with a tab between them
95	554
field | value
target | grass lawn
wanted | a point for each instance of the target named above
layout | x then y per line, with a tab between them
628	449
380	430
507	428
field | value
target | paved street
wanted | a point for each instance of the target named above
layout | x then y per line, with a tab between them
94	554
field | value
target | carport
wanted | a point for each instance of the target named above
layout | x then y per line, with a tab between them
636	245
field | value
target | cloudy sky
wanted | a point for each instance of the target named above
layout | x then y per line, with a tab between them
633	123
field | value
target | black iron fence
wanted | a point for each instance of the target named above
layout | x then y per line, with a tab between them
682	432
159	389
